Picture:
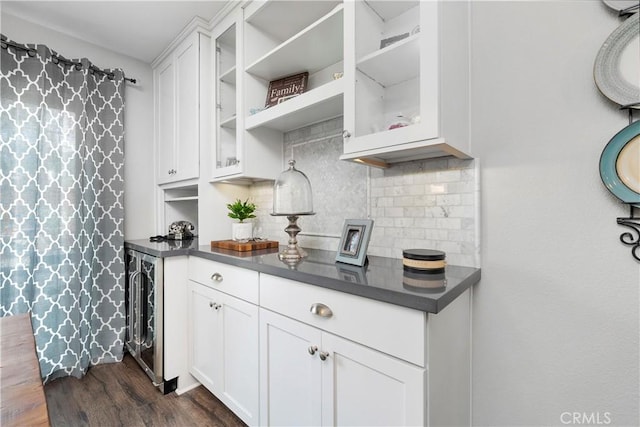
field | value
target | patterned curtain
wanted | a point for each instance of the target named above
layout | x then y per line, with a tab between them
61	207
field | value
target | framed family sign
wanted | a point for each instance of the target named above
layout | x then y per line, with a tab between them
354	241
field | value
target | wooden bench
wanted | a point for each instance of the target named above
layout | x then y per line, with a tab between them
22	399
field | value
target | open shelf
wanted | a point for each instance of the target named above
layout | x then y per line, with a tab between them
316	105
181	194
312	49
395	63
387	10
181	199
275	17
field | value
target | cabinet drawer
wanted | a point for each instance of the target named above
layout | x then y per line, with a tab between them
389	328
236	281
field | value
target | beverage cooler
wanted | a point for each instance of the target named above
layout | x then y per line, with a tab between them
144	307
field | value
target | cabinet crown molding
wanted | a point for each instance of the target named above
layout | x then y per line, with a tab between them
196	24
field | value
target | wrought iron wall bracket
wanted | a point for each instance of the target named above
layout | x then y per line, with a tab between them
631	238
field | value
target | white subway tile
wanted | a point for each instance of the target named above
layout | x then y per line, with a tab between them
414	212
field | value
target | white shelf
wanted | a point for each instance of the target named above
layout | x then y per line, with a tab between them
388	10
319	104
229	123
393	64
229	76
181	199
275	17
314	48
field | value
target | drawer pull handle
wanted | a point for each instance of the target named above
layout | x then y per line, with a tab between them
321	310
324	355
312	349
216	277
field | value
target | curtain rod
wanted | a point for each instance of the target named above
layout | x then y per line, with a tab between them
59	58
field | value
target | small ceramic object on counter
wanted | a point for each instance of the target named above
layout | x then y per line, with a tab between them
242	231
425	261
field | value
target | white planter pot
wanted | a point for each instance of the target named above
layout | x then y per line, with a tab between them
241	231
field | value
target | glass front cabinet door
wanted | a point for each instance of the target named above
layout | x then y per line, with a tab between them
226	149
394	97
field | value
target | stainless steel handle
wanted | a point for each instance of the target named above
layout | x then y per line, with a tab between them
346	134
141	304
132	302
216	277
321	310
312	349
324	355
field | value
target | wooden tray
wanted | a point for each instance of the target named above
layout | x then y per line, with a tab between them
243	247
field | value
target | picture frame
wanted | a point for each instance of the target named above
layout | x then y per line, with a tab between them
354	242
286	88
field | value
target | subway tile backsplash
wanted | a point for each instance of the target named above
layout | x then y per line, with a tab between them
431	203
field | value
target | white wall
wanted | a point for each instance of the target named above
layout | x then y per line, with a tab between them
555	317
138	173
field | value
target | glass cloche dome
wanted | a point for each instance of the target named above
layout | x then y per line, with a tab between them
292	193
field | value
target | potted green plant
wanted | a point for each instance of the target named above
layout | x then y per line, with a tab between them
241	211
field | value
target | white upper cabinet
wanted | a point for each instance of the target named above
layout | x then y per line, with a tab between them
284	38
406	80
238	156
177	105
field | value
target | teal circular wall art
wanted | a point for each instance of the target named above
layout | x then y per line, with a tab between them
620	165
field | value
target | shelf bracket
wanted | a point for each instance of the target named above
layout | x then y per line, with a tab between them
630	108
623	13
632	238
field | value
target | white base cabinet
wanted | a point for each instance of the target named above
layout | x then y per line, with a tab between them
365	387
290	377
311	377
279	352
223	347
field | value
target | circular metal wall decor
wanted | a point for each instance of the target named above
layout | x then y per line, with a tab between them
617	66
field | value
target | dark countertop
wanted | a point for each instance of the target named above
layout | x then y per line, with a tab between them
383	279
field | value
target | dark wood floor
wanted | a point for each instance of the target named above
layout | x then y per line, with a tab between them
120	394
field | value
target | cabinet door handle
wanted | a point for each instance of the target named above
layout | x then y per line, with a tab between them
346	134
211	304
312	349
321	310
216	277
215	305
324	355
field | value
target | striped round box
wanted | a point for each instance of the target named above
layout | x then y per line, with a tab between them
428	261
